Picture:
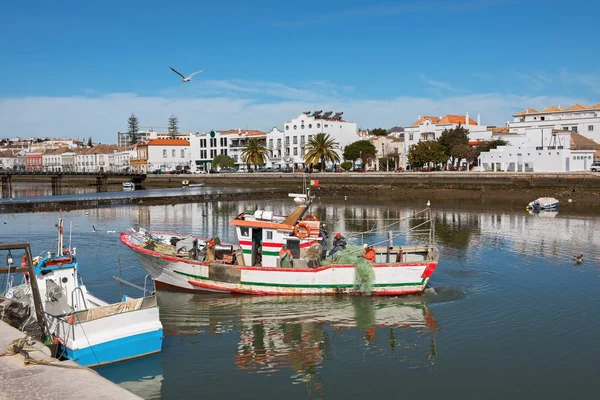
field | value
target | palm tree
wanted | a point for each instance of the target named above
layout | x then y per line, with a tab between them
254	153
321	148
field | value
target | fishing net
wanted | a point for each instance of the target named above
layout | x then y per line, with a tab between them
363	271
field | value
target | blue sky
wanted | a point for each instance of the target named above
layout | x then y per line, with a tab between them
74	69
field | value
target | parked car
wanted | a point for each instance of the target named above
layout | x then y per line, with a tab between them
157	171
595	167
199	171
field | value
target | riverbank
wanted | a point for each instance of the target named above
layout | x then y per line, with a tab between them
46	378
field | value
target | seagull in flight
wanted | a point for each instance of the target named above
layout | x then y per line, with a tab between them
183	78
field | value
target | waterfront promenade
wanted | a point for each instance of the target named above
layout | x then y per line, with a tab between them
60	380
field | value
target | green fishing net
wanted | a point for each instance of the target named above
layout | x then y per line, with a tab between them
363	272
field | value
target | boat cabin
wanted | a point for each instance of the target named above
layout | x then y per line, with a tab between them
262	235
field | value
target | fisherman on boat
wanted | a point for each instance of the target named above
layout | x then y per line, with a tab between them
285	256
369	253
339	243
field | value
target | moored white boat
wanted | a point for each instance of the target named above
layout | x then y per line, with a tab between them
253	266
87	329
128	185
544	203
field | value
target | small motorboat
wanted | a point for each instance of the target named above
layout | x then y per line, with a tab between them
544	203
196	185
128	186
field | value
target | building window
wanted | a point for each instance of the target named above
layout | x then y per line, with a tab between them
574	129
287	151
302	140
326	126
165	153
213	153
295	151
410	137
244	232
543	118
287	127
173	153
590	127
318	125
295	140
270	143
202	142
295	127
182	153
287	141
223	142
213	142
301	126
309	126
269	235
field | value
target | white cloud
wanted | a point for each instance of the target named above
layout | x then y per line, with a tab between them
240	104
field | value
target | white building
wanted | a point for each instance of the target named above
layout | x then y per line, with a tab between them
386	146
431	128
582	119
163	154
8	160
540	150
204	147
297	132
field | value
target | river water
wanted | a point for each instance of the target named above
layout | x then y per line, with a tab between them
510	313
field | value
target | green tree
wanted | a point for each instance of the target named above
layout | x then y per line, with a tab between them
379	132
363	149
451	138
89	142
347	165
173	126
132	130
254	153
319	149
429	151
223	161
464	151
386	163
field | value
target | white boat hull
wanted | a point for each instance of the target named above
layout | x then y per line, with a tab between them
389	279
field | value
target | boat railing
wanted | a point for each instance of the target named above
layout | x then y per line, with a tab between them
133	285
73	305
427	226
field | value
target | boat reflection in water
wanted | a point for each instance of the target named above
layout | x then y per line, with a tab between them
301	333
142	376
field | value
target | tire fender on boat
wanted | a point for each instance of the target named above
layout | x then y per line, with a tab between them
310	217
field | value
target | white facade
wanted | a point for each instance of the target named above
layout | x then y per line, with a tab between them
297	132
537	150
204	147
386	146
431	128
168	154
584	120
8	160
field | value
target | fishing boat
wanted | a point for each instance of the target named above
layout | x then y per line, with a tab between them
544	203
128	186
87	329
253	265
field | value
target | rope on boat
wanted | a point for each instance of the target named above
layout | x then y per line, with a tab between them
24	345
397	222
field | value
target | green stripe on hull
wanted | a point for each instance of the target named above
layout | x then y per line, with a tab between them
314	286
325	286
264	253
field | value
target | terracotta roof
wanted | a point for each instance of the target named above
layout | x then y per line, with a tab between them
528	111
422	119
168	142
577	107
244	132
580	142
455	119
7	154
596	106
552	109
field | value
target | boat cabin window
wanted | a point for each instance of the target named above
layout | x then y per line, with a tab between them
244	232
294	247
269	235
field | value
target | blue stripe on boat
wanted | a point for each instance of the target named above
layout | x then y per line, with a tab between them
117	350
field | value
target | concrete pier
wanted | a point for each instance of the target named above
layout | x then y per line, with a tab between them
19	380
